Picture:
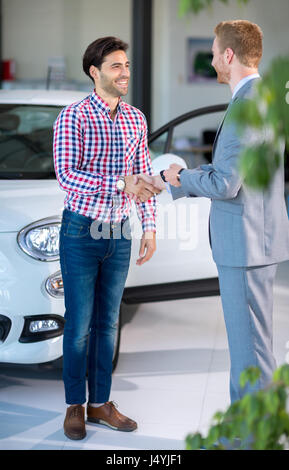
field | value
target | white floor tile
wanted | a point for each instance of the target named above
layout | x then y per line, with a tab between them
172	376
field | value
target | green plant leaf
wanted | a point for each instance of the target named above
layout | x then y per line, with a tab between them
271	401
218	417
260	417
251	375
258	165
213	436
267	109
194	441
195	6
246	114
284	420
282	374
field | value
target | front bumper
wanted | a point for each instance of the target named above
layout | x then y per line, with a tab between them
23	294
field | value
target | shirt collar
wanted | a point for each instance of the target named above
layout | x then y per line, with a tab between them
243	81
102	105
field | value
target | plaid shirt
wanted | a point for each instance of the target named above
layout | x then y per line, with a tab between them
90	153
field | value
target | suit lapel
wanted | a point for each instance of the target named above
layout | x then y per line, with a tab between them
238	94
220	127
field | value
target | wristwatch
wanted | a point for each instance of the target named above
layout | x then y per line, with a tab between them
120	184
163	176
178	175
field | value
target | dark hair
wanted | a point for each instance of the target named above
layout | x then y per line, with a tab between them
98	49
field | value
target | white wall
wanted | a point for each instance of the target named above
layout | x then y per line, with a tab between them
34	30
88	20
171	94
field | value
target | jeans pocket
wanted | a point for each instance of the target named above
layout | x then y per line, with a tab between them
74	229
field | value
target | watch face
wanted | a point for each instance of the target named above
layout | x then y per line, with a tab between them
120	185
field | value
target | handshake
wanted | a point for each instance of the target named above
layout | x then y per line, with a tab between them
142	187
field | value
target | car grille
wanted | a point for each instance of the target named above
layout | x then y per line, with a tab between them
5	325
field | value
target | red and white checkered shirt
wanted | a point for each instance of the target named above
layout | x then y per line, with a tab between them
90	153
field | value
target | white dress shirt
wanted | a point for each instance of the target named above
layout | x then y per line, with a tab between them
243	81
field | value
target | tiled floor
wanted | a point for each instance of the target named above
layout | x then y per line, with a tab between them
172	377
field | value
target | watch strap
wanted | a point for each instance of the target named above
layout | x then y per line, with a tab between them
163	176
179	173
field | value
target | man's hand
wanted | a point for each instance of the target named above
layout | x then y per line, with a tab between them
155	181
140	188
172	173
147	247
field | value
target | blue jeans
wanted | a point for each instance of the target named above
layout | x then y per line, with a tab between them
94	272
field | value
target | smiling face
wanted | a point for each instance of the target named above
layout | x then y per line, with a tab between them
113	76
220	64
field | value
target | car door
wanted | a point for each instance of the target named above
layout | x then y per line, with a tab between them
183	249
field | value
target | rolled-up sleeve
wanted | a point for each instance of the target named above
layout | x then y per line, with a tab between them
142	164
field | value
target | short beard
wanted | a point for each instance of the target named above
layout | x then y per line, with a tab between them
110	89
223	72
224	76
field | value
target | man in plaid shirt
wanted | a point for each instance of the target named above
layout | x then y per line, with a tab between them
100	143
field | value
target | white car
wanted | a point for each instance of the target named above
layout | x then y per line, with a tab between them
31	291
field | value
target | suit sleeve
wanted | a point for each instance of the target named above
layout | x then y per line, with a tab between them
219	180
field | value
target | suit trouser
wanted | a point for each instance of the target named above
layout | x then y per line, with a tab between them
247	300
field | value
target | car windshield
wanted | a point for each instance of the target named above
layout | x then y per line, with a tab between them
26	141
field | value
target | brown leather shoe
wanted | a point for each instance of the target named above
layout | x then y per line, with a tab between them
74	424
107	414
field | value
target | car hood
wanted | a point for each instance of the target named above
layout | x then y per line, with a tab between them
25	201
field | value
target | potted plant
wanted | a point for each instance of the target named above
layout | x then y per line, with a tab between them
259	420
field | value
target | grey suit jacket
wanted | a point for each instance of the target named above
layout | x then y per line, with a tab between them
247	227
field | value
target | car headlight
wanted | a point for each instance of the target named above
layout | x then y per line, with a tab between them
54	285
40	240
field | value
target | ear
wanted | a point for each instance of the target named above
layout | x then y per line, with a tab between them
93	72
229	54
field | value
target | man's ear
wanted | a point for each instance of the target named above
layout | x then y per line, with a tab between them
93	72
229	54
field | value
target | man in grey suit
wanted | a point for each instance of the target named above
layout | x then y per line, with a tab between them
249	230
